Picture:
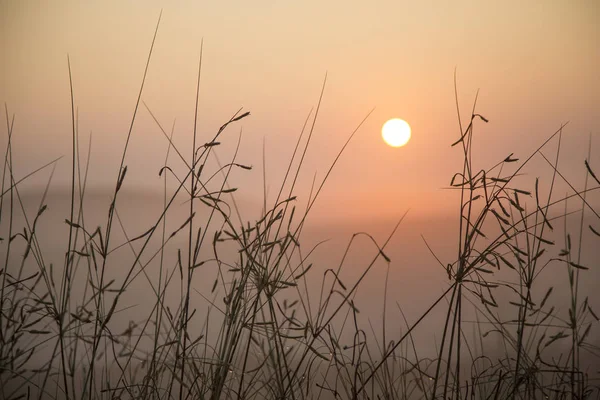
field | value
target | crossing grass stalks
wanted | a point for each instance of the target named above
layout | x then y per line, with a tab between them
259	331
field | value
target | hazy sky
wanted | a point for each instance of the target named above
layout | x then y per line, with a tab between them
536	64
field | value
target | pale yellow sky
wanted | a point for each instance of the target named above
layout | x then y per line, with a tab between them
536	64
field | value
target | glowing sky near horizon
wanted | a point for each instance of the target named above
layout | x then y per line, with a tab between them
535	64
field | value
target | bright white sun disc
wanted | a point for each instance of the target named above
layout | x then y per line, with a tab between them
396	132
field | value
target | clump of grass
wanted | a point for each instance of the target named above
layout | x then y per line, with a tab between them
232	315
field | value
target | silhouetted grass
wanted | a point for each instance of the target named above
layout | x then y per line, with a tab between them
231	314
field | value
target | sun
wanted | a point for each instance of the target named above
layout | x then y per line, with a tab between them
396	132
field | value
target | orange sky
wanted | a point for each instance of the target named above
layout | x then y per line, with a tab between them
536	64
